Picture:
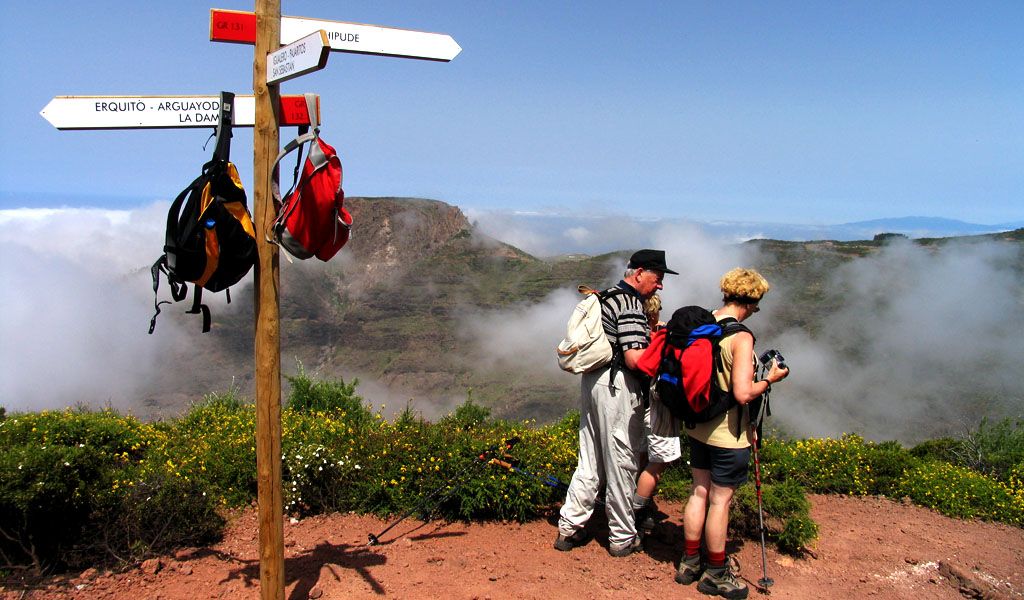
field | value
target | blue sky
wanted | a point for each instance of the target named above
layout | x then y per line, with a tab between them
787	112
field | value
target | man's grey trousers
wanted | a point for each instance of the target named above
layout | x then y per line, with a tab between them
611	434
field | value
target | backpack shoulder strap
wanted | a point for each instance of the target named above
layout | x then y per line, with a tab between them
171	233
605	295
222	148
731	326
199	308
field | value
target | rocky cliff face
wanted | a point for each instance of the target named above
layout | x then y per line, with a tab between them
385	309
388	233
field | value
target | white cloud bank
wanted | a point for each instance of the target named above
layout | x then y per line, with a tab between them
916	341
77	298
913	336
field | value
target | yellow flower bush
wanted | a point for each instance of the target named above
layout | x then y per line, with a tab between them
104	473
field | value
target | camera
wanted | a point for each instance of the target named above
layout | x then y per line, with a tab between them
770	355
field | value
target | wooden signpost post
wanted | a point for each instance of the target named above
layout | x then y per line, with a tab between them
267	311
308	43
268	30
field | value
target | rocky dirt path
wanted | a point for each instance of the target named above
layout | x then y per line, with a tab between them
868	548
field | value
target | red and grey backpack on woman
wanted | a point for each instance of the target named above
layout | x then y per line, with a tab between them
683	361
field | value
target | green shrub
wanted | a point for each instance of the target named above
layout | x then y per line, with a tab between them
318	479
992	449
308	394
467	415
214	444
887	462
797	532
104	431
938	449
821	465
45	501
961	492
786	510
81	487
156	514
53	467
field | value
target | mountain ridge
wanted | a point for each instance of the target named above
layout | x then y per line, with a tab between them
391	310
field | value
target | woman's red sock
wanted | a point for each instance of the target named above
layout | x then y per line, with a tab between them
692	547
716	559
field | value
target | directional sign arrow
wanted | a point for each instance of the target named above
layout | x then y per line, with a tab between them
161	112
302	56
240	27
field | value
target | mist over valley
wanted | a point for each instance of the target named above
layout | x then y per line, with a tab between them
892	338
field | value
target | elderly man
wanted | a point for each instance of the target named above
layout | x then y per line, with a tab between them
612	414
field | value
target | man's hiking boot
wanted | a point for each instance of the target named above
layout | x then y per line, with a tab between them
689	569
645	520
721	582
626	550
566	543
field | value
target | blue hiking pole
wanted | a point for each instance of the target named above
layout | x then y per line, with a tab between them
548	480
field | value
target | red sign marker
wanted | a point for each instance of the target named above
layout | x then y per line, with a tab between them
239	27
234	26
294	111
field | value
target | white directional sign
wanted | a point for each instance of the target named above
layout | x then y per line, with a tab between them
157	112
298	58
240	27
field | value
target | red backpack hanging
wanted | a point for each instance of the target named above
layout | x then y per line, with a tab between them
311	219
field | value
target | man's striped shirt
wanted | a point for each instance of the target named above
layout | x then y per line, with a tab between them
622	315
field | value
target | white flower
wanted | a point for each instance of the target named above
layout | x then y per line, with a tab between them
67	464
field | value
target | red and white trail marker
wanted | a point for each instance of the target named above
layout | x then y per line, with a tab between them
240	27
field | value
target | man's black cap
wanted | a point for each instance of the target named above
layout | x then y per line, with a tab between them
650	259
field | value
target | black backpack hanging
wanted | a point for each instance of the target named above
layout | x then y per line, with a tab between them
210	238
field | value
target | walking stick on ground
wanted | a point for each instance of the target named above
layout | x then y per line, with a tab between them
765	582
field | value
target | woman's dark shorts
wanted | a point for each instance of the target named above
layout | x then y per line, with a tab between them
728	466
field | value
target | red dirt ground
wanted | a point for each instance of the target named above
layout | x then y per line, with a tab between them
868	548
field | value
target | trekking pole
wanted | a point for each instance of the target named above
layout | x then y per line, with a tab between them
548	480
375	539
765	582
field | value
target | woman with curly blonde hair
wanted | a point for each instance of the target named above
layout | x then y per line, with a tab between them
720	448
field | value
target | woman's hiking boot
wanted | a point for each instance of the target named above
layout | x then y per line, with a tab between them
689	569
566	543
720	581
